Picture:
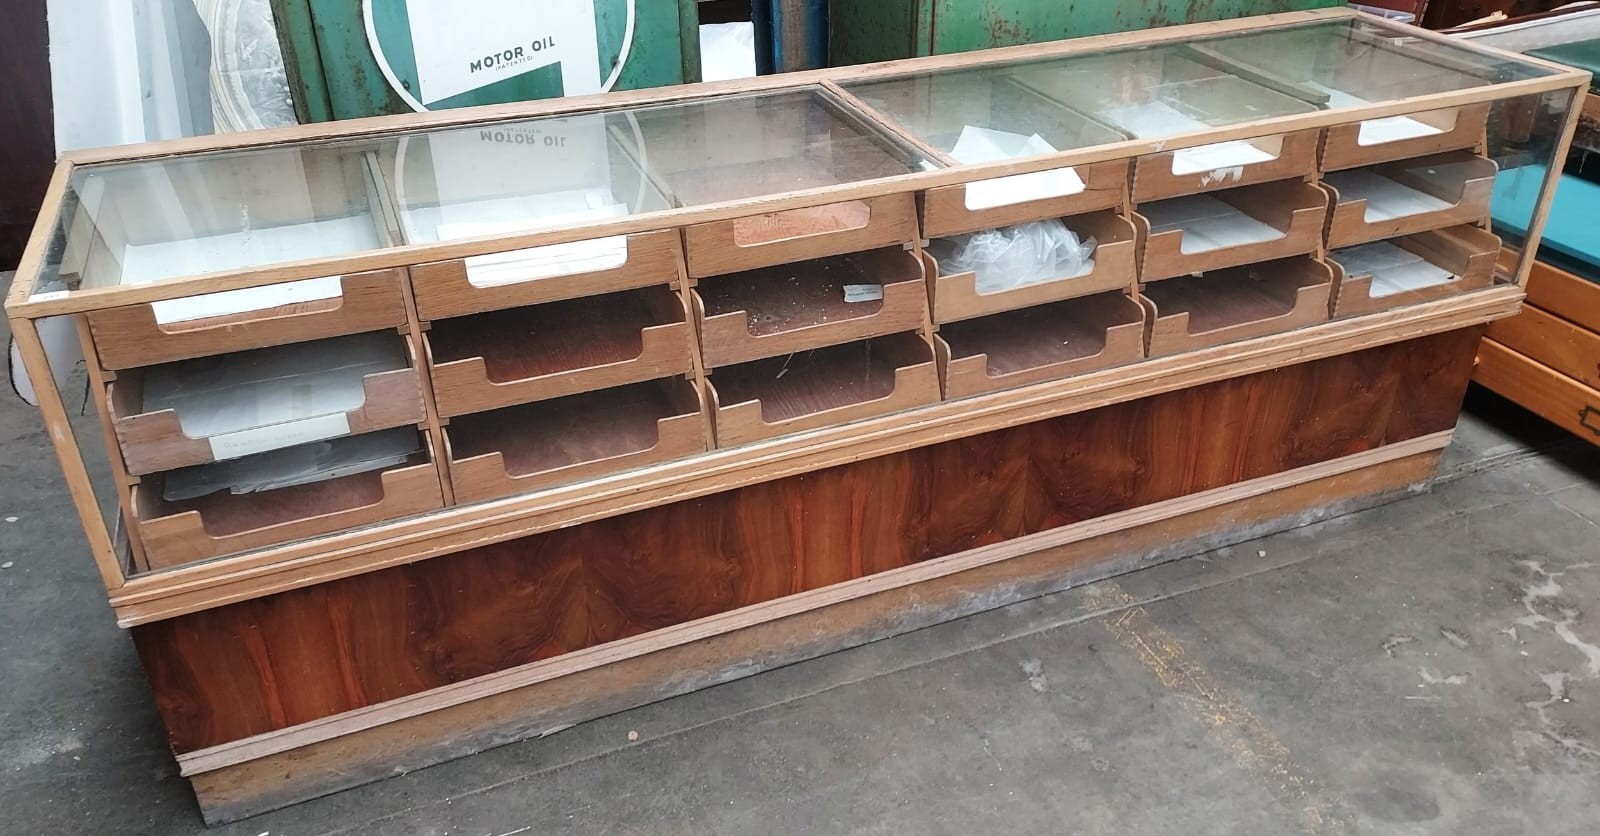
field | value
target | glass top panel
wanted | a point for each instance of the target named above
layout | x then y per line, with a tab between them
1166	89
147	221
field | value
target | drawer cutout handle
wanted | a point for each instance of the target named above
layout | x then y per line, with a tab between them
1589	418
794	224
1387	129
1221	160
1021	188
195	313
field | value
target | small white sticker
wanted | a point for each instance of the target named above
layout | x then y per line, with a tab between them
50	296
278	436
863	292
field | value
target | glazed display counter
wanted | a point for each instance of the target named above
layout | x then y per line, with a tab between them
419	435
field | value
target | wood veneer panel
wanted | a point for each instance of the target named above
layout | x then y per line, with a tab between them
244	669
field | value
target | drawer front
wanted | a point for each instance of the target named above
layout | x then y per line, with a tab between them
1400	137
545	274
1469	253
220	323
1005	201
721	247
1224	165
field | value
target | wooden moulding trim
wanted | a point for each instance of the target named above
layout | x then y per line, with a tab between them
442	289
1347	226
725	338
182	537
956	296
129	336
1562	293
915	384
44	226
713	248
400	256
1295	157
155	441
461	387
1546	392
945	212
169	594
1467	251
351	722
967	376
1170	332
1463	129
1551	341
485	477
1297	208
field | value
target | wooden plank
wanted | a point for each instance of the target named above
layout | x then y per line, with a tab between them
1568	296
364	746
341	555
1548	393
1552	341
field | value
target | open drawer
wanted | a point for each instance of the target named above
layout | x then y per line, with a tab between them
1020	198
958	295
1196	233
263	500
1237	303
1401	137
809	304
1223	165
1400	198
1415	268
570	439
1042	343
545	274
822	387
502	358
239	320
719	247
223	407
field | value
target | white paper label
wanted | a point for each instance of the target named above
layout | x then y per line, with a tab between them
459	49
1393	129
230	302
278	436
1221	159
984	145
863	292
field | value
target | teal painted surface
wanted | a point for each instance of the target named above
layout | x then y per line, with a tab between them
1569	227
339	78
879	30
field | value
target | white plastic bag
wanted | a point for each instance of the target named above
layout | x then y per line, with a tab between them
1016	256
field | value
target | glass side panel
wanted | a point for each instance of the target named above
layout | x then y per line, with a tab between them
1165	89
133	223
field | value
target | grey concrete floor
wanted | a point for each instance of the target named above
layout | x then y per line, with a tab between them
1431	666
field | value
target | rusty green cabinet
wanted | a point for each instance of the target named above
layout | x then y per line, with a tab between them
860	31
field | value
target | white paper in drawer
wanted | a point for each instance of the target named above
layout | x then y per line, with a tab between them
304	464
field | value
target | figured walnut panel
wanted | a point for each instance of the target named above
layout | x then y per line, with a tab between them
248	668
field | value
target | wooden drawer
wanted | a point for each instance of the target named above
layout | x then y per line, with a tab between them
1392	199
823	387
1551	341
1415	135
1466	253
545	274
571	439
1560	399
1032	345
1237	303
279	397
221	523
794	307
1196	233
1571	297
956	296
219	323
1224	165
502	358
1006	201
721	247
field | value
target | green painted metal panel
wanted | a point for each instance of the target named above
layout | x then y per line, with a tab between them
879	30
335	74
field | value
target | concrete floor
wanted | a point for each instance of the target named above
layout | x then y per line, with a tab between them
1431	666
